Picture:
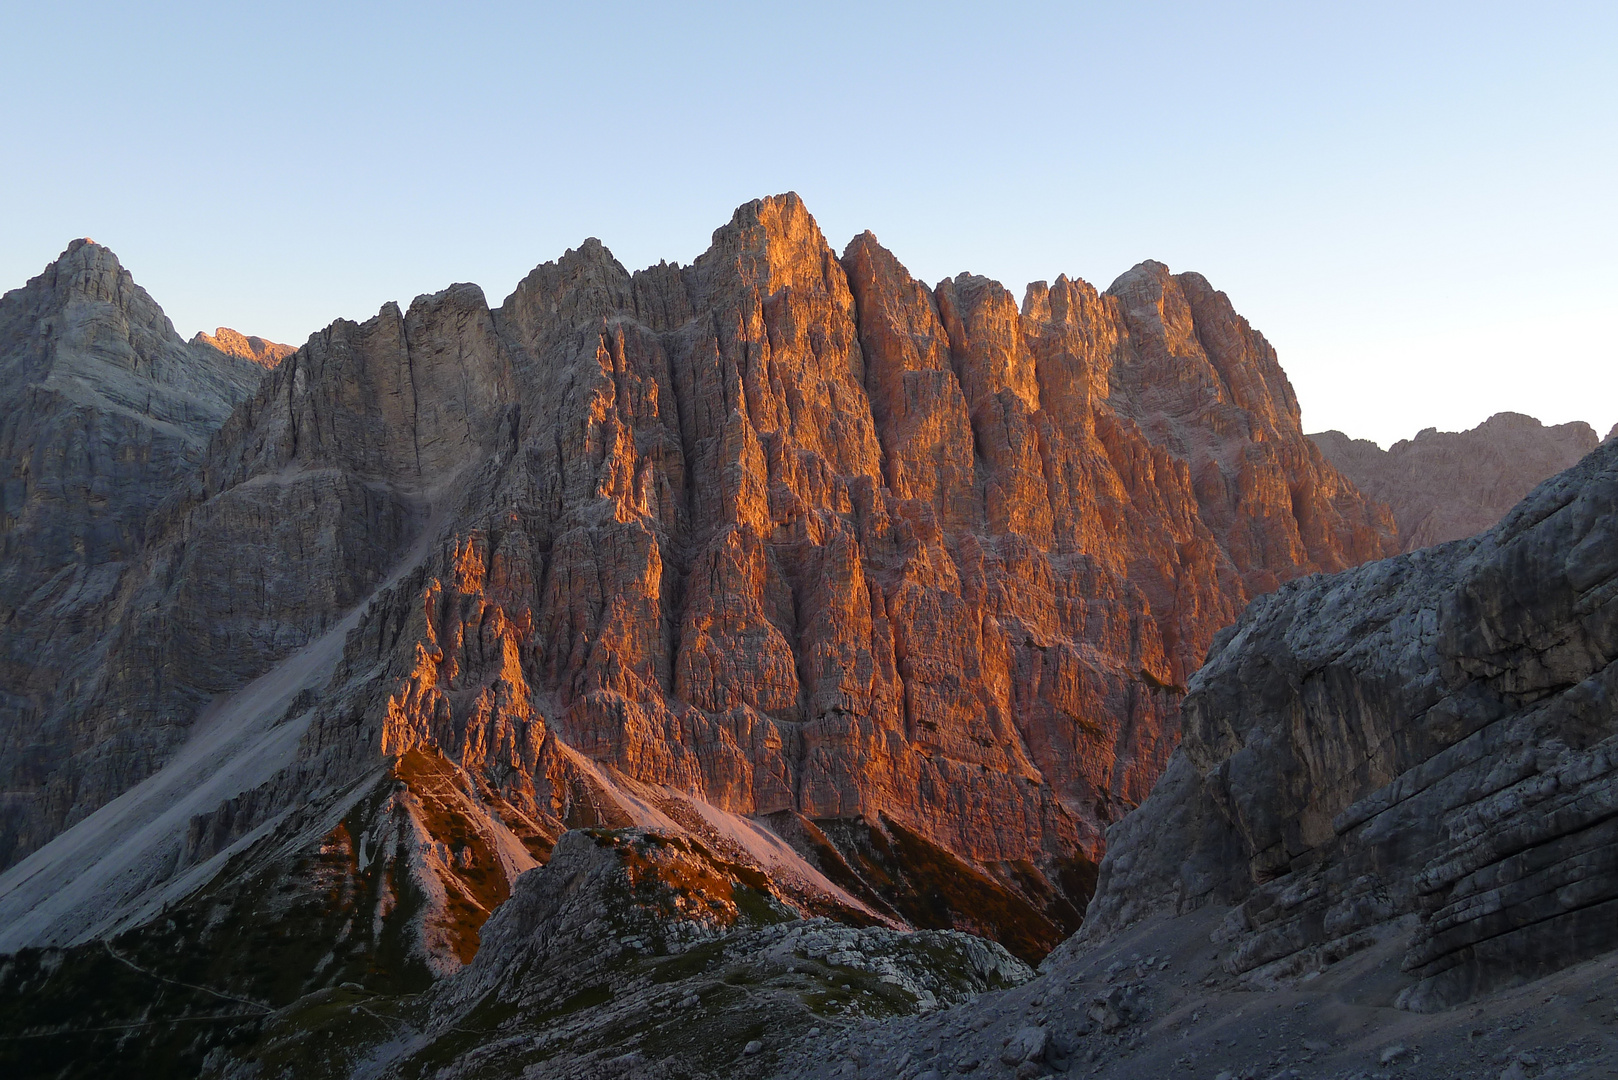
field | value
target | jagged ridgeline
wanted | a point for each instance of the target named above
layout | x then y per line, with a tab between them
885	595
1451	485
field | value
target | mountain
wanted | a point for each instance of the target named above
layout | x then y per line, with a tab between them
106	408
245	347
884	596
1394	794
1445	485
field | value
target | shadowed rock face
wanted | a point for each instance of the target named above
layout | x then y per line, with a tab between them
1428	739
790	533
1446	485
104	408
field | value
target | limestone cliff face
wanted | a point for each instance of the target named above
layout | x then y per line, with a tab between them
245	346
1423	746
790	534
105	408
1445	485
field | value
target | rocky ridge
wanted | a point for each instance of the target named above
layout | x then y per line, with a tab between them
1445	485
245	346
630	955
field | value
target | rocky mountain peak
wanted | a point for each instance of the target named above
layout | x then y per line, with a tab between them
106	410
771	244
84	308
586	283
258	350
84	331
1199	339
86	328
86	268
900	583
1155	305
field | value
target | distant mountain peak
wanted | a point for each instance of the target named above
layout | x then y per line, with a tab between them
259	350
1445	485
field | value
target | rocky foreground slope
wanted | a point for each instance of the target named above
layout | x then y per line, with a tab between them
1447	485
1394	796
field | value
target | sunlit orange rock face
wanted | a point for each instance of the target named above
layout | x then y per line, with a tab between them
790	532
251	347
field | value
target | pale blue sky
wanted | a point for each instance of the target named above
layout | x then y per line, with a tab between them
1414	202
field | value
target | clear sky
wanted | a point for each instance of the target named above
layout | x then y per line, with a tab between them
1417	203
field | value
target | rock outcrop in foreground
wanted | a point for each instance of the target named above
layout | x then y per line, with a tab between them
1432	737
1395	792
915	576
628	955
1446	485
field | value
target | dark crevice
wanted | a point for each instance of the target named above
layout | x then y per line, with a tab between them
415	398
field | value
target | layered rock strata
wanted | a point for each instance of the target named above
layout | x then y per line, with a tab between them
1446	485
1423	746
105	408
786	534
